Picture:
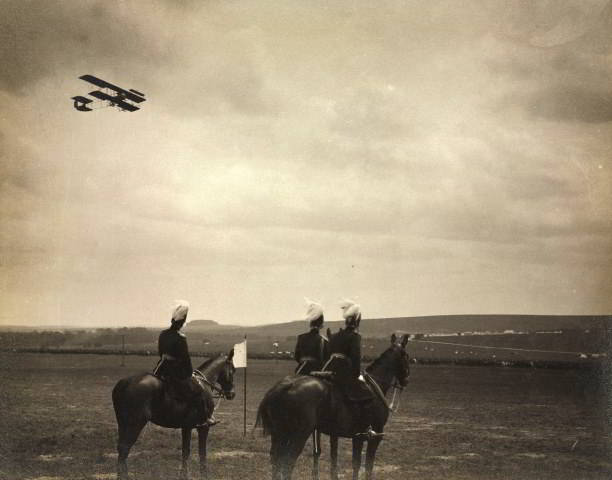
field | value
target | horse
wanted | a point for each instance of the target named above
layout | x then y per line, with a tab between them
143	398
297	406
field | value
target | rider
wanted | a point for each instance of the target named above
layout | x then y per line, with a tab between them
175	363
311	348
345	361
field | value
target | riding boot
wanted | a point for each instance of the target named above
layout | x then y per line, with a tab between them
204	407
368	413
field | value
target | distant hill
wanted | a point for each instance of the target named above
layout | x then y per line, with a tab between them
208	326
447	324
483	323
40	328
508	338
382	327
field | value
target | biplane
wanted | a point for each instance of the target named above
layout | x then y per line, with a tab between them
111	95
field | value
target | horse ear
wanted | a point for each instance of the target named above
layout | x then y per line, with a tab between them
393	339
231	354
405	341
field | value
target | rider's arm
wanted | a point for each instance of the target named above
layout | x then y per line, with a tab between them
325	352
356	355
183	353
297	353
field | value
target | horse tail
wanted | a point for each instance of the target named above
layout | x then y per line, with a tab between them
270	404
119	401
259	420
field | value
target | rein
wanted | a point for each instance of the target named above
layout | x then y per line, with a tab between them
213	386
393	408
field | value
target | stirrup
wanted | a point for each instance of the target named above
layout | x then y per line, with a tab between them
211	422
370	434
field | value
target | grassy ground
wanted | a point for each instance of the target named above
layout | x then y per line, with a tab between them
454	423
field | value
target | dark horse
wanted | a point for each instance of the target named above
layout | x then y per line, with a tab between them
298	405
144	398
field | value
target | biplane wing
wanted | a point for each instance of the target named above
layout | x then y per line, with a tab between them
117	100
126	94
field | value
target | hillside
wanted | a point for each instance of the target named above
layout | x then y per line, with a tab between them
382	327
447	324
466	338
207	326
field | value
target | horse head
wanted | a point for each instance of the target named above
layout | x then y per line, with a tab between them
225	377
394	363
401	360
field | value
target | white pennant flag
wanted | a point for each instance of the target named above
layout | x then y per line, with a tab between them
240	355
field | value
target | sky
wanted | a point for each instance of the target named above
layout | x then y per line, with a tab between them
423	158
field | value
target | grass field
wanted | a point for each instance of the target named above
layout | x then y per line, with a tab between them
454	423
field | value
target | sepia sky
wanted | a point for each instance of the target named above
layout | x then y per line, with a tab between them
425	157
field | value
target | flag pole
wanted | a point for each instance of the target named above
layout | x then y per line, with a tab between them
245	385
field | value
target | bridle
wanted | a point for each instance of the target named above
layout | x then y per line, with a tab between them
393	407
220	392
397	387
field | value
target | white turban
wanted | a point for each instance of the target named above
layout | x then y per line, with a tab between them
314	310
180	311
351	309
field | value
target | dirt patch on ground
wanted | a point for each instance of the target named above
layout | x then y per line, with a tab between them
55	458
233	454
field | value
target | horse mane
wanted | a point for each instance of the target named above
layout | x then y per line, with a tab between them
379	359
209	362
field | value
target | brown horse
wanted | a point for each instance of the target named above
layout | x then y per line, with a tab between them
144	398
299	405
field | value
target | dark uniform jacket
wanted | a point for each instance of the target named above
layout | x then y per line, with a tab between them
348	343
312	348
177	362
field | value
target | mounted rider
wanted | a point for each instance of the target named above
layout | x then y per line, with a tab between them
311	349
345	360
175	365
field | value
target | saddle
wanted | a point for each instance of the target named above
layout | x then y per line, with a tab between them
370	384
351	400
345	416
184	391
339	366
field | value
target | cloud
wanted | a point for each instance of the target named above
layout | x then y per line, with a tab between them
565	85
572	104
288	148
40	40
551	23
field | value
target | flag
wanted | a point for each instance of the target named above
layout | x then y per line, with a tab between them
240	355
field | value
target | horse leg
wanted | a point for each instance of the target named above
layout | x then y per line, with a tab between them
295	445
128	434
186	437
276	454
316	453
370	454
202	439
333	444
357	448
